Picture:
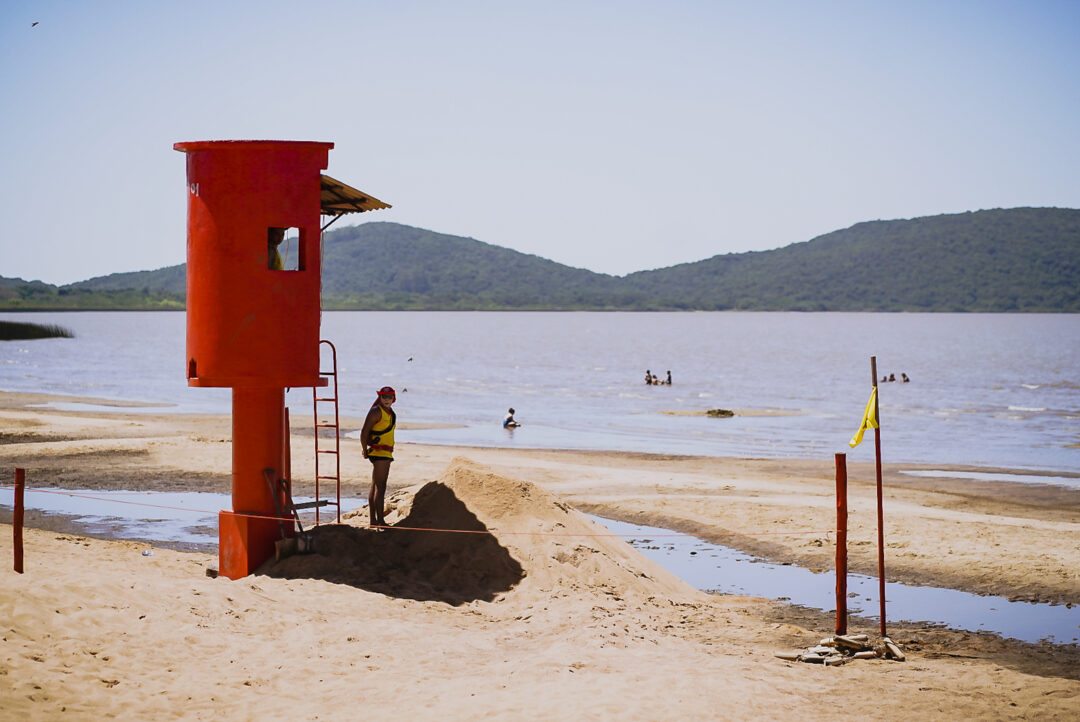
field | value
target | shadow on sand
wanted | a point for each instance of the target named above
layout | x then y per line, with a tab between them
437	566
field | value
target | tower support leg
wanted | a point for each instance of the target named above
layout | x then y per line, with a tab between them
248	532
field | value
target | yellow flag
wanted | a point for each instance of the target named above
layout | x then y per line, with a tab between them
869	419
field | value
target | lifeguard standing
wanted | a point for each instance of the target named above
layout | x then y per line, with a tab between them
253	311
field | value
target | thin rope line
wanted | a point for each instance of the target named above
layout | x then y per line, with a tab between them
155	506
577	534
250	515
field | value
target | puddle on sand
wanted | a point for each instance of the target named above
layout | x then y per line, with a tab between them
191	518
1066	481
718	568
188	517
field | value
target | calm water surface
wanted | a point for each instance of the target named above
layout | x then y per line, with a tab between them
992	390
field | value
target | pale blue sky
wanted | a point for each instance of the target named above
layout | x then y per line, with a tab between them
614	136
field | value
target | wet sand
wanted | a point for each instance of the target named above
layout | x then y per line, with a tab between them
588	630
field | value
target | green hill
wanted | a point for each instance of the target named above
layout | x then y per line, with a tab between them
390	266
19	295
1021	259
171	280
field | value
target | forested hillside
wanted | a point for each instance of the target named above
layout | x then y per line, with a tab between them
387	265
171	280
19	295
1023	259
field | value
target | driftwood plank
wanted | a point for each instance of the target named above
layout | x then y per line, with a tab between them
854	645
893	651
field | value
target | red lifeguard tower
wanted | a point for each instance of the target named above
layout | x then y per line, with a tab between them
253	308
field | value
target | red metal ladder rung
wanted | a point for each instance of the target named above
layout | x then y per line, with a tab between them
331	399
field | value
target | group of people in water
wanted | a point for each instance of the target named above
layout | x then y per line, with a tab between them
377	438
651	380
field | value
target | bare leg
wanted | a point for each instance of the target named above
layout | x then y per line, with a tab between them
380	472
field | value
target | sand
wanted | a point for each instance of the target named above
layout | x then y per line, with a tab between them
537	618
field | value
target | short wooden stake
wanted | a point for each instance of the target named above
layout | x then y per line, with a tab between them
17	521
841	543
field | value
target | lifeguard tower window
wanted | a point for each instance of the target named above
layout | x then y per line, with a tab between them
283	249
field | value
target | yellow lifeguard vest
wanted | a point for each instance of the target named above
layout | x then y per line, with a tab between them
382	438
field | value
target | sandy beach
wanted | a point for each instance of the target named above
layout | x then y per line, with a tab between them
542	618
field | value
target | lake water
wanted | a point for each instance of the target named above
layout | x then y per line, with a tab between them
986	389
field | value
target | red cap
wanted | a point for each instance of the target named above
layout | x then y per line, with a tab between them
388	391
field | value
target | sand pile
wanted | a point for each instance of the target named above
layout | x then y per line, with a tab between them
508	534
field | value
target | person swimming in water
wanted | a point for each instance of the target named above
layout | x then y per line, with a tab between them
510	422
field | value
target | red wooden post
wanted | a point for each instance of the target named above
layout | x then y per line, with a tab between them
880	500
286	451
841	543
17	521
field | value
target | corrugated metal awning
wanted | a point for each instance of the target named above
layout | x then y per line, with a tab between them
337	199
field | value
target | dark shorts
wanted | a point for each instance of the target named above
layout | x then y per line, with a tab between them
387	459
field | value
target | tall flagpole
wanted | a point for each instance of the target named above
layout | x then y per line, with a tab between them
880	504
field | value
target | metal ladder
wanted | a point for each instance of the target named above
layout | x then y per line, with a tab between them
322	442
